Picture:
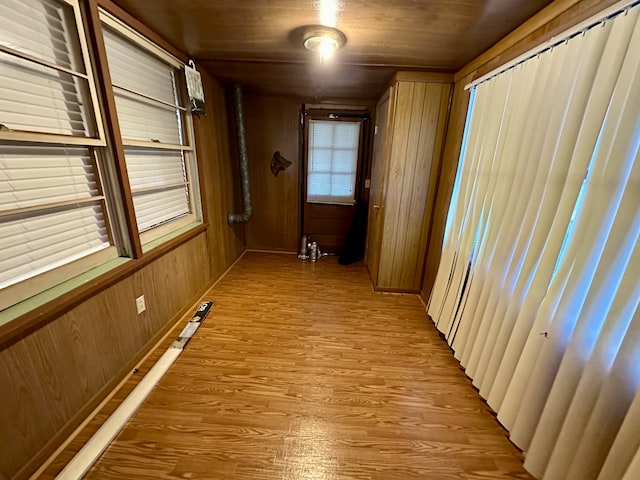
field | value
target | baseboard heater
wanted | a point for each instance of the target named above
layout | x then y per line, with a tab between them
92	450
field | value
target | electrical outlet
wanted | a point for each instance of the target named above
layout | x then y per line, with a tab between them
140	305
367	183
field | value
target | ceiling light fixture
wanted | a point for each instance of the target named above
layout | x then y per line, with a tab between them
323	40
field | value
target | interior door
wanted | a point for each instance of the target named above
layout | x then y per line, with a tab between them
376	193
326	220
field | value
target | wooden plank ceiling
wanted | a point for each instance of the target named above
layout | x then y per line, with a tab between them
253	42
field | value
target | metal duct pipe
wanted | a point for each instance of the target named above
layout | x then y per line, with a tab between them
241	139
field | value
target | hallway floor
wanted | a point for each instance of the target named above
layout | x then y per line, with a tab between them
300	371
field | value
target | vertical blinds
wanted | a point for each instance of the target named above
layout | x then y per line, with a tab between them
52	208
537	290
150	118
332	161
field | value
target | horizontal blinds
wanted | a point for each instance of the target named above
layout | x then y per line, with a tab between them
150	119
156	208
145	92
52	209
39	243
38	97
142	120
333	161
154	168
134	68
34	176
36	240
43	28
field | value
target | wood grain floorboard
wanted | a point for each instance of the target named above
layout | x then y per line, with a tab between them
302	372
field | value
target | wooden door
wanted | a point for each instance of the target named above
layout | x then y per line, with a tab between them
376	193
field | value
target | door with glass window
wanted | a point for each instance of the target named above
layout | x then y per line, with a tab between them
331	182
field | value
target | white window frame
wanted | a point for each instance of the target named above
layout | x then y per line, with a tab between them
17	292
187	132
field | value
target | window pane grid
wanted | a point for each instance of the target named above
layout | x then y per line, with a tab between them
333	161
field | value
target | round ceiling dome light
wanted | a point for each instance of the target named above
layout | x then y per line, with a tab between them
323	40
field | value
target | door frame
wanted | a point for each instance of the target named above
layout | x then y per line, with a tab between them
337	114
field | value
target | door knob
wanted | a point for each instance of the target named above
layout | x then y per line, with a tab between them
376	206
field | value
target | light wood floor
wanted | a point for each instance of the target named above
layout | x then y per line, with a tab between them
301	372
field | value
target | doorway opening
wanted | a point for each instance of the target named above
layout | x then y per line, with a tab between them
334	148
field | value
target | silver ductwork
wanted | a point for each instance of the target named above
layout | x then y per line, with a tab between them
241	140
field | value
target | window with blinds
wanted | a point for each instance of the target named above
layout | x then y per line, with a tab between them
154	125
332	161
53	216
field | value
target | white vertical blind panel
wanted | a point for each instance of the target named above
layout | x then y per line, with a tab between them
520	343
140	120
490	124
155	208
136	69
633	472
37	98
333	161
154	168
513	239
626	445
541	358
547	320
40	175
549	212
600	271
37	244
505	182
450	243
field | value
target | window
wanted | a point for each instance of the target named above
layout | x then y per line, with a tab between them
53	216
332	161
156	130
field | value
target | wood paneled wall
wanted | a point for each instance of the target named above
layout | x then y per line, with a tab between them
552	20
273	124
54	377
220	179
